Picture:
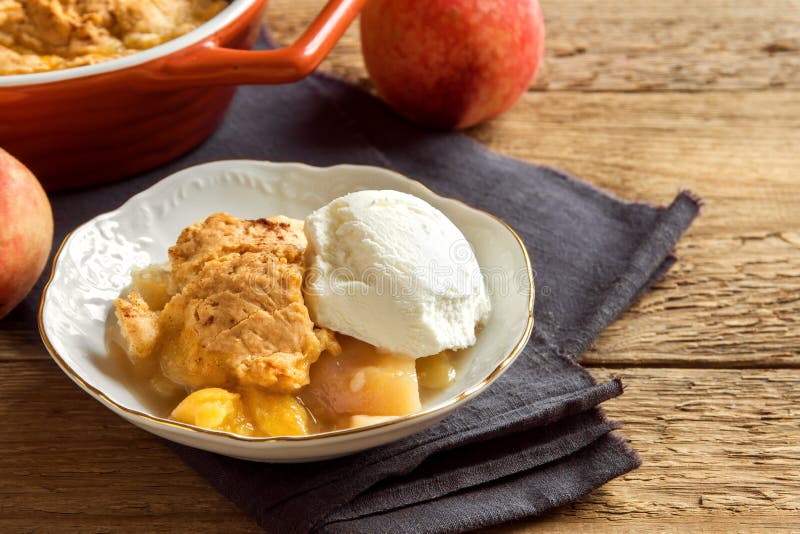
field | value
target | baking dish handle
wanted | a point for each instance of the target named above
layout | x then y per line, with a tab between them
215	65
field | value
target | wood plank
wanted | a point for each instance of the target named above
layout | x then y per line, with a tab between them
600	45
20	341
719	446
671	46
729	302
733	299
69	464
19	335
736	151
713	443
558	524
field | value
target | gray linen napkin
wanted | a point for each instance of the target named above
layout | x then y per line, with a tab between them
535	439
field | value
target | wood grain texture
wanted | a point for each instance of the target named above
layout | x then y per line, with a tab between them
715	443
641	98
733	299
729	302
712	442
641	45
69	464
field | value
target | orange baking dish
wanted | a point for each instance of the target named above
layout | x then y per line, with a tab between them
109	120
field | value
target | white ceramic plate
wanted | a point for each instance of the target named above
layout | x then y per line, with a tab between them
94	262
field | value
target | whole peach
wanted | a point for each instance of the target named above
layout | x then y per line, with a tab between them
452	63
26	231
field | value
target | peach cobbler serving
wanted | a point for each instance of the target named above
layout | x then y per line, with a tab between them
273	327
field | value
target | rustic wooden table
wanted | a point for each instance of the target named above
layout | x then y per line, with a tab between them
638	97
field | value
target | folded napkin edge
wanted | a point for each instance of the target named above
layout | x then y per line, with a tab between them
651	259
464	476
515	497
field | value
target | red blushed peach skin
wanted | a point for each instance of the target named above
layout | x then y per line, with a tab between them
452	63
26	231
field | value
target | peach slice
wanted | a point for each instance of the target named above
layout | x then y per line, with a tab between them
216	409
436	372
276	414
362	381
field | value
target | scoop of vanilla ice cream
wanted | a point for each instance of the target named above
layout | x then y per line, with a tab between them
391	270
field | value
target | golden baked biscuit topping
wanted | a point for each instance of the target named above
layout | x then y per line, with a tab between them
42	35
238	317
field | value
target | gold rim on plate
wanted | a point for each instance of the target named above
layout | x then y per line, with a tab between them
469	392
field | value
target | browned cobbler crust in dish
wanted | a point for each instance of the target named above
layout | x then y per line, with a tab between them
42	35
